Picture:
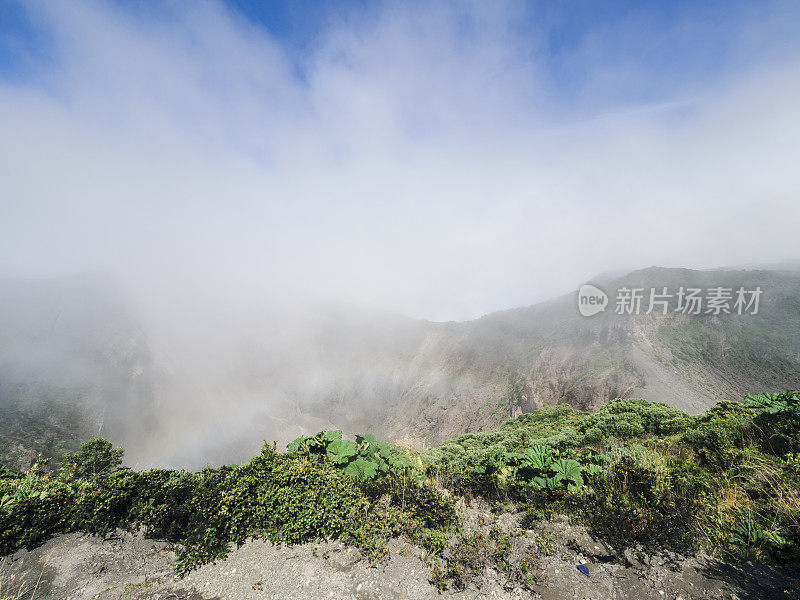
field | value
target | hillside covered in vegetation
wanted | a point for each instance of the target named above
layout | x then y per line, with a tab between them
641	476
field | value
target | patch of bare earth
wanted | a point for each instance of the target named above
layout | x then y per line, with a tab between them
125	565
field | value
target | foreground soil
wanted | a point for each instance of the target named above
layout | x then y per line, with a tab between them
126	565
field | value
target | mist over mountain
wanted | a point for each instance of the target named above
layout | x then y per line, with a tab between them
505	290
79	361
74	363
270	189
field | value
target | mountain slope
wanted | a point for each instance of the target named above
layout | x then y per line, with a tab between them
549	353
211	386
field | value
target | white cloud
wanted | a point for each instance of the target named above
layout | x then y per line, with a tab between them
417	165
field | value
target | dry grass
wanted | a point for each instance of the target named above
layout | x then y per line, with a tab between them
732	512
731	497
18	586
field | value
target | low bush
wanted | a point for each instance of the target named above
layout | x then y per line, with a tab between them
777	421
470	553
633	504
286	498
631	418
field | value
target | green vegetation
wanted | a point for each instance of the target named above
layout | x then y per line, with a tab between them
288	498
760	348
515	392
646	475
638	475
365	459
35	421
470	553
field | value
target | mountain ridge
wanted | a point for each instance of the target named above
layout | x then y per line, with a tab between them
217	391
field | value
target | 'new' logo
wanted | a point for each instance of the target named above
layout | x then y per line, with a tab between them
591	300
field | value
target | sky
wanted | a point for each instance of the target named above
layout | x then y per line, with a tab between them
441	160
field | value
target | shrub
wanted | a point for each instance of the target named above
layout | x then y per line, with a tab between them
289	498
94	457
632	504
32	509
727	480
778	420
721	434
630	418
467	557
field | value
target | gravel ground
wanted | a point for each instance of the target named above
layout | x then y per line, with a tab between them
126	565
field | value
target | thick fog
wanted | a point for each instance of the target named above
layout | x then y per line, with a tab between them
436	160
269	210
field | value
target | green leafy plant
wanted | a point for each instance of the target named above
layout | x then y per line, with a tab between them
364	459
341	451
777	421
568	473
362	469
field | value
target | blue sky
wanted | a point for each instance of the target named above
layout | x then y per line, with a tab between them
679	44
674	46
439	159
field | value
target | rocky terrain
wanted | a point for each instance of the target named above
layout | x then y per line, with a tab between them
128	566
